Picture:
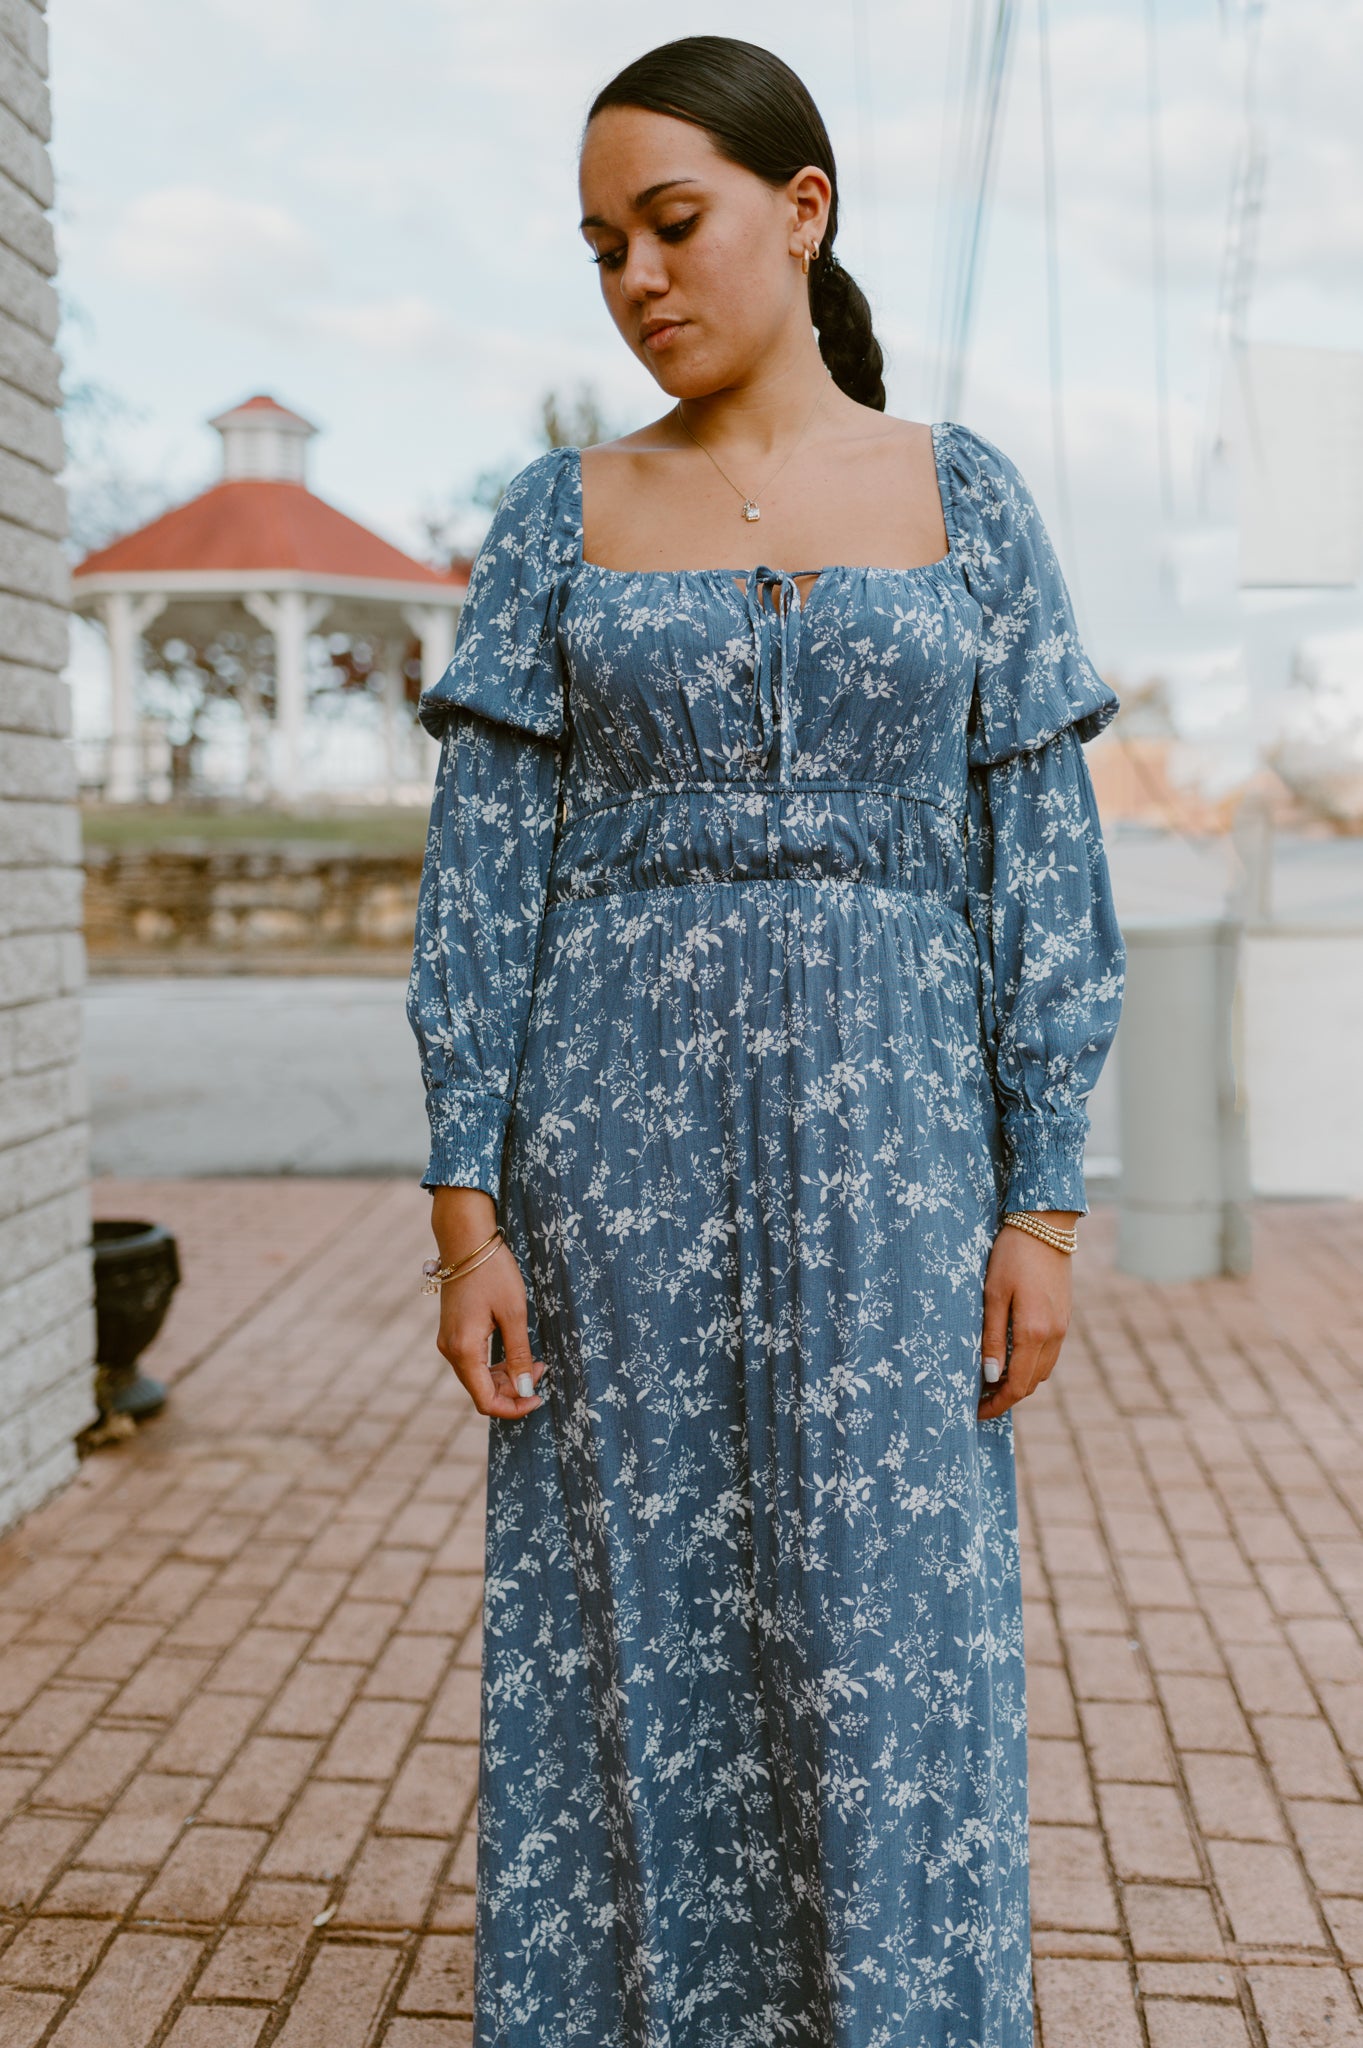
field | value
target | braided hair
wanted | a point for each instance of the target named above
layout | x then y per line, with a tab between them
759	114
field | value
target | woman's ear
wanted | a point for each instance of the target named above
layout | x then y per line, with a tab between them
811	194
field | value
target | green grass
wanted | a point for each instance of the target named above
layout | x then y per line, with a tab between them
375	829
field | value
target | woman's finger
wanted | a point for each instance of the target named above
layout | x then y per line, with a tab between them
1014	1387
994	1335
487	1396
521	1370
471	1357
1033	1360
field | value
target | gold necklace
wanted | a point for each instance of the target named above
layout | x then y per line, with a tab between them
751	509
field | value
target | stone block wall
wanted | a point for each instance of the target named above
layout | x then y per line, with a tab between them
192	897
46	1316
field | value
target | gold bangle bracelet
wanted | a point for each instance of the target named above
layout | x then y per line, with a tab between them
1059	1240
434	1275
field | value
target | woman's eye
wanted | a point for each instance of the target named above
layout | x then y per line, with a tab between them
611	259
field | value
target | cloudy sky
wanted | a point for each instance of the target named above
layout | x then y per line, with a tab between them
370	211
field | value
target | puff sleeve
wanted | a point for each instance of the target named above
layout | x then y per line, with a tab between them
500	714
1040	898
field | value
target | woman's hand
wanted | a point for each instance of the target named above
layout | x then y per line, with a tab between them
493	1294
1027	1285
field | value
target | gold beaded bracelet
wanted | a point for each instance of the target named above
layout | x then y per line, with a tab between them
1049	1233
435	1275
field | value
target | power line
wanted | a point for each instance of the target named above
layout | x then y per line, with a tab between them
1060	456
945	210
1159	264
981	124
866	146
1244	212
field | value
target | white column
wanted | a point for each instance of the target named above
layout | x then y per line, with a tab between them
126	617
433	625
290	615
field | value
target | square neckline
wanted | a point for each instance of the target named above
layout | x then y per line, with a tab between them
737	578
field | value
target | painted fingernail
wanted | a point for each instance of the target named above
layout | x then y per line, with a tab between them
525	1386
993	1371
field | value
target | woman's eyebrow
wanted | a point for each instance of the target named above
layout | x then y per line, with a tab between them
640	200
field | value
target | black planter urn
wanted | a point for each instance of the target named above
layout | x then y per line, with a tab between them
137	1269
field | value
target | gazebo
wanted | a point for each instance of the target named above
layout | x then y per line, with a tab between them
258	546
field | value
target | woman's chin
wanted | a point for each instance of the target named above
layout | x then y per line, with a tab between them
681	379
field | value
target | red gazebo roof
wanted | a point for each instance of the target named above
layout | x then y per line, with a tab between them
254	523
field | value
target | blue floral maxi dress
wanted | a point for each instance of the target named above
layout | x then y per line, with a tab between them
764	953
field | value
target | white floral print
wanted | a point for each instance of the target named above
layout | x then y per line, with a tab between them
764	953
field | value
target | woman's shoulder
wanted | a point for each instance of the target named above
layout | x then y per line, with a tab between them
543	479
535	521
996	524
981	471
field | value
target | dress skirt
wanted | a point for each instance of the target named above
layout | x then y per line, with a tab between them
753	1755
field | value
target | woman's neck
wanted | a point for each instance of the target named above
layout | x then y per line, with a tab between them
759	415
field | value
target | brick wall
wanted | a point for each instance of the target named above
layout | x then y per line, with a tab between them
46	1320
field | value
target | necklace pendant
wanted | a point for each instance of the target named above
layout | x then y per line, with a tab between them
751	511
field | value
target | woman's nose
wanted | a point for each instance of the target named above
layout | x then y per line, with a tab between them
643	274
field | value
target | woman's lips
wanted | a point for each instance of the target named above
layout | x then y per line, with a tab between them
662	337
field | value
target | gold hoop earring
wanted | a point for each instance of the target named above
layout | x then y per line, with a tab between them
804	261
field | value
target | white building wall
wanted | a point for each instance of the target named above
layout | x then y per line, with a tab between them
46	1316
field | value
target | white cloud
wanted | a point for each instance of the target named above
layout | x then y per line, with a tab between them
227	257
407	328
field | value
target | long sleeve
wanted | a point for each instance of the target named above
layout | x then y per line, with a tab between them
1039	891
479	913
499	712
1051	960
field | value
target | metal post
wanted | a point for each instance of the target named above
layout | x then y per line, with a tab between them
1185	1166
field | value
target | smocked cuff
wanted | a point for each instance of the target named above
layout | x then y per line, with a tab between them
1046	1161
468	1133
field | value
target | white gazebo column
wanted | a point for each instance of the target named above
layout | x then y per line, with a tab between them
433	625
126	617
290	615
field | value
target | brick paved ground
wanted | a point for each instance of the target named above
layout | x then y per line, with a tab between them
238	1682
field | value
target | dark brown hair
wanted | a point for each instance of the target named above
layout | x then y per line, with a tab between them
760	115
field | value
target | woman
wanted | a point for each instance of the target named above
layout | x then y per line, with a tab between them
765	958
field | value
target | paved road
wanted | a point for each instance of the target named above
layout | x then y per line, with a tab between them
253	1074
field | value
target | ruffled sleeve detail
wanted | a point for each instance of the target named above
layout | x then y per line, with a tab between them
1033	676
506	662
1038	888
